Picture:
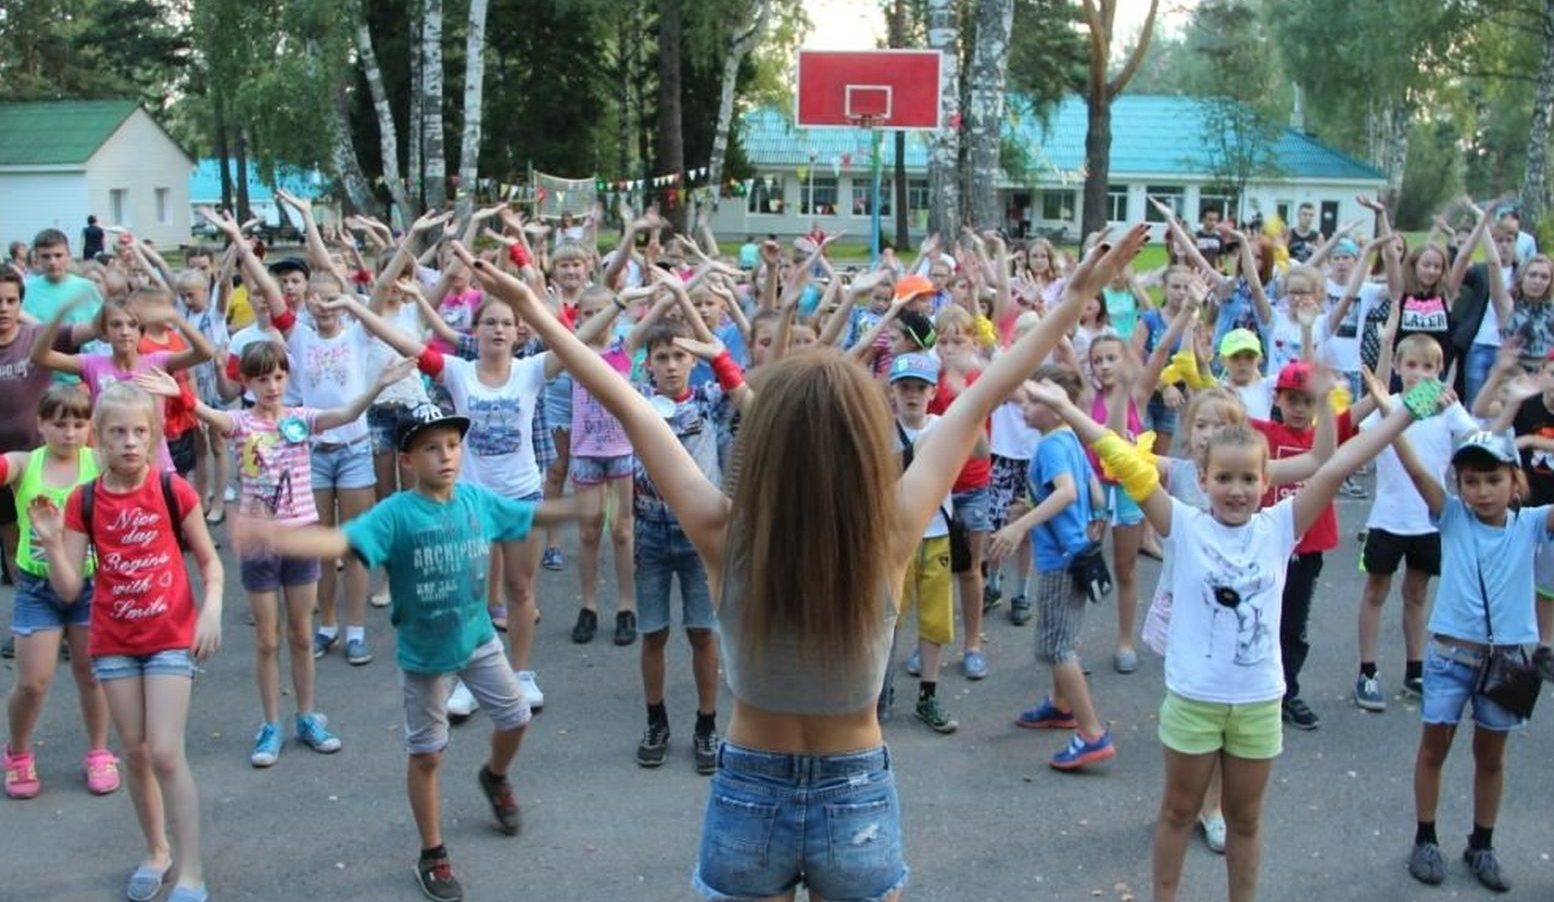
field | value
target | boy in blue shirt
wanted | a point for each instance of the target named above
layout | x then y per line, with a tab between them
1064	492
435	542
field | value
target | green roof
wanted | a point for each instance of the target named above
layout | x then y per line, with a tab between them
58	132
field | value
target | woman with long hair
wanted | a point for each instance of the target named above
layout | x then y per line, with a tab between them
804	562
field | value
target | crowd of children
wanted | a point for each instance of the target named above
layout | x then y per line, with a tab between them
417	403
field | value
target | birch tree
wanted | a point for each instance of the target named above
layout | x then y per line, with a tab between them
388	135
474	94
671	141
415	121
1535	185
746	33
944	149
985	112
433	150
1100	91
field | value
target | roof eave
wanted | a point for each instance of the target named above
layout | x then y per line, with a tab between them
24	168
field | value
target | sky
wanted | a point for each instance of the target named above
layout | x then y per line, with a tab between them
860	24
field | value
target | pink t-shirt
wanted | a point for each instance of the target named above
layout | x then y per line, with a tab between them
275	473
458	311
595	432
98	371
1098	413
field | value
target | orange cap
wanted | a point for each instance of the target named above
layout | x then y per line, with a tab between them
912	286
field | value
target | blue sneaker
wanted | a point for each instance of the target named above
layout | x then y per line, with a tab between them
914	663
358	652
1082	751
323	642
313	732
551	559
1046	716
974	665
267	745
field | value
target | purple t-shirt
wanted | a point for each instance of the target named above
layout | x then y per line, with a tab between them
99	371
22	383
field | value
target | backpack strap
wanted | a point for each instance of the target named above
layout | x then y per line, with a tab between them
171	501
88	494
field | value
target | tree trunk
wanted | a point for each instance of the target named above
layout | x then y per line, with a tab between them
388	135
415	164
747	31
902	195
243	213
944	147
436	159
219	114
1535	188
989	70
1099	93
1098	154
474	91
624	39
1393	135
342	155
671	142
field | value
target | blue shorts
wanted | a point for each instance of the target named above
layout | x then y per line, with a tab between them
267	572
1161	417
558	403
38	607
173	662
830	822
594	470
1450	677
661	552
1125	511
384	422
974	508
343	466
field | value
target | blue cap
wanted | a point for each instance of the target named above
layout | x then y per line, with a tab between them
1346	246
922	367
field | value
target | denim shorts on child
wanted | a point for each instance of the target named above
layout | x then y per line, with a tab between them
1252	730
1450	678
662	552
1162	418
974	508
384	422
38	607
558	403
594	470
830	822
266	572
343	466
1125	511
177	662
489	679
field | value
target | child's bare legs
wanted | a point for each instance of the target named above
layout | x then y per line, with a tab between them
971	592
1377	587
267	666
556	477
299	641
929	654
1186	778
202	468
1434	743
36	657
1545	612
149	714
352	504
1125	555
653	645
1245	781
1416	592
1211	795
622	538
1070	693
704	667
220	464
421	784
520	561
324	503
590	534
495	593
1488	775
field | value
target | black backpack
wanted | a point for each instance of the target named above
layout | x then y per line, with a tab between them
168	499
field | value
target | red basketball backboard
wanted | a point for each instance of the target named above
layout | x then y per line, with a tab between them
893	89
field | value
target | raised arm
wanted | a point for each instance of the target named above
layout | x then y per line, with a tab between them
1149	376
1320	255
1459	266
1499	295
404	253
63	548
1318	492
406	345
318	252
43	353
264	294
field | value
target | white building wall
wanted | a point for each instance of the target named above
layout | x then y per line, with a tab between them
141	161
33	201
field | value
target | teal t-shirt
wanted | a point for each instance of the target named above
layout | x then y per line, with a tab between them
437	555
44	298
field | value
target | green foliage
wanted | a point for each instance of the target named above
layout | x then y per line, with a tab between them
93	48
1433	175
1047	53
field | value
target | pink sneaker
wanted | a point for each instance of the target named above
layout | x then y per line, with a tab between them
21	775
102	772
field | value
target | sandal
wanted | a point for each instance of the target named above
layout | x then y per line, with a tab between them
146	883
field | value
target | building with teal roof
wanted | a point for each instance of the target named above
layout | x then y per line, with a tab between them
821	175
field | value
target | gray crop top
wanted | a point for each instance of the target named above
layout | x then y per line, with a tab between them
789	679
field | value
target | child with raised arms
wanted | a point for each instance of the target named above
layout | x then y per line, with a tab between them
146	632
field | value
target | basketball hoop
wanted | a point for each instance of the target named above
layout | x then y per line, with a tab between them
867	120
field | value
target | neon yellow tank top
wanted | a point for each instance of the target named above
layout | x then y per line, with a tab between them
29	555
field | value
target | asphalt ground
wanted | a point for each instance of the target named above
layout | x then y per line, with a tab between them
983	817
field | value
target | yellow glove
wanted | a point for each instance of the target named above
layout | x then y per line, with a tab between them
1128	465
1185	364
1340	398
986	336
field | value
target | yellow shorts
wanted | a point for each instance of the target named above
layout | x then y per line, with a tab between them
1251	731
928	587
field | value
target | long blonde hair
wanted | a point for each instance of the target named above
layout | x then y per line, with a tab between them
814	506
127	396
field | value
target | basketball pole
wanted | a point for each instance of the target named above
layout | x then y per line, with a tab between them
875	164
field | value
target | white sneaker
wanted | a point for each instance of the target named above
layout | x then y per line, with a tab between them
230	495
1213	832
381	598
530	689
461	703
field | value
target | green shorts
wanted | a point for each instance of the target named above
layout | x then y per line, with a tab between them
1252	731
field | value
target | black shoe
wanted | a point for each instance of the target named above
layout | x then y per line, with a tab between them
1543	659
8	648
706	745
585	628
1299	715
1486	868
437	880
992	596
655	742
1426	865
1019	610
1414	686
625	627
504	806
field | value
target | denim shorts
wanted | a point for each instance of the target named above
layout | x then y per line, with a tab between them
180	449
489	679
1162	418
384	422
974	507
173	662
1450	677
594	470
343	466
830	822
661	552
1125	511
38	607
266	572
558	403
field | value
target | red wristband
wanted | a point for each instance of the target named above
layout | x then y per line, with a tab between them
232	370
430	361
284	321
730	375
363	277
519	255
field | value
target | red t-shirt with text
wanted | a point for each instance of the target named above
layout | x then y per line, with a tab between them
177	413
141	601
1286	442
978	471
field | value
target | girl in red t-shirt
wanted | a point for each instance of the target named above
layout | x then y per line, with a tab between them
146	632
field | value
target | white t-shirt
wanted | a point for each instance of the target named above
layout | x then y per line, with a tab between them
1010	436
1227	590
1285	340
1341	347
1399	508
1489	327
329	373
937	526
410	390
499	451
1257	398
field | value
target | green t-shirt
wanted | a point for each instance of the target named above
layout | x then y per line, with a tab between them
437	555
44	298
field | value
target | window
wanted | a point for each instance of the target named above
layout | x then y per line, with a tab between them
161	205
863	195
1057	205
917	194
118	205
1173	196
1214	197
766	194
1116	203
819	196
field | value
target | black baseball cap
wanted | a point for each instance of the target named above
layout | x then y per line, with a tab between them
291	264
428	416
